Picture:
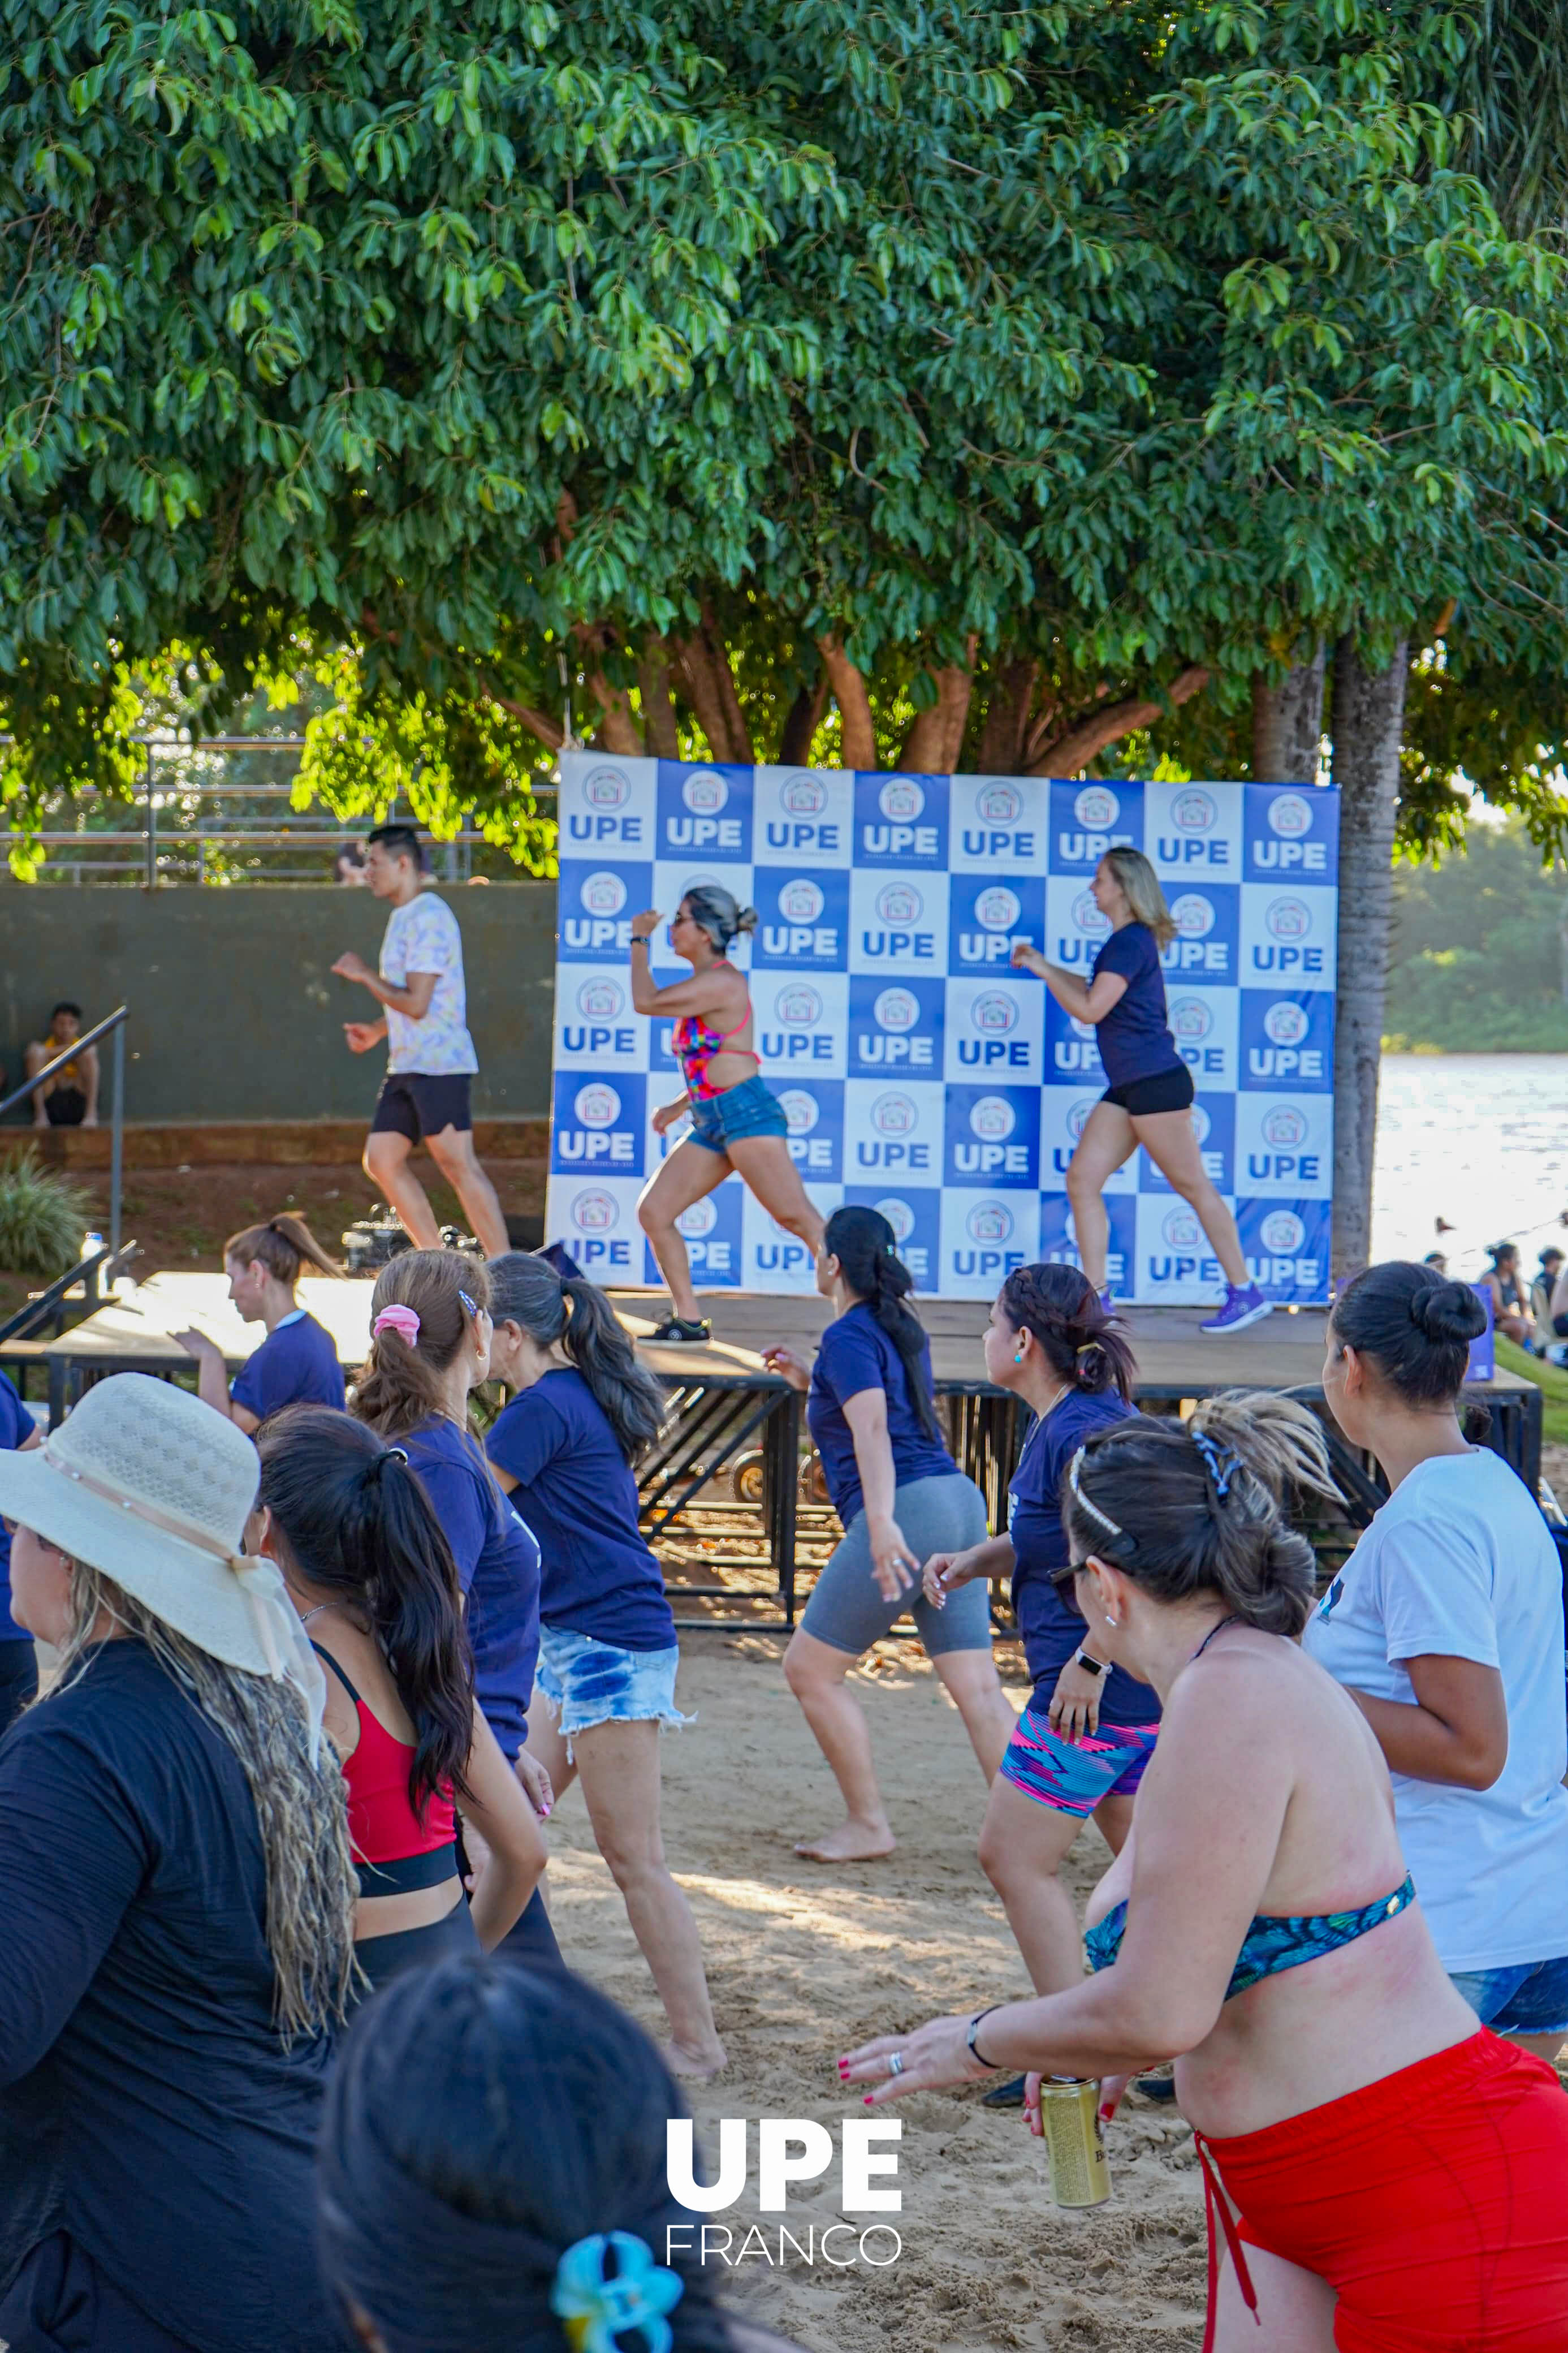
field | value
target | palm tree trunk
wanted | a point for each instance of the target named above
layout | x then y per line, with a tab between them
1367	717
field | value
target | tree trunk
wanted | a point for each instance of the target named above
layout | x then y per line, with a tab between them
617	730
1006	724
1288	724
1367	722
858	740
658	728
710	686
1072	752
802	721
932	746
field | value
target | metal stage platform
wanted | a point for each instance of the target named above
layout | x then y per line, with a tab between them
731	1496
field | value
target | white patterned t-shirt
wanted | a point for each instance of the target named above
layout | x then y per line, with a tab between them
424	937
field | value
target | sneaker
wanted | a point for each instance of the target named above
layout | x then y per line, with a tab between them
1240	1309
1009	2095
1108	1300
683	1331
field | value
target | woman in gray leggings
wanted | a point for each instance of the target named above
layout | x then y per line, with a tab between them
902	1497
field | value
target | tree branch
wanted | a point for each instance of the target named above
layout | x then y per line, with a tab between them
801	723
1008	718
549	734
933	744
657	709
705	673
1074	750
858	746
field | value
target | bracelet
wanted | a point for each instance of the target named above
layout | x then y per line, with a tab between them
1090	1666
994	2065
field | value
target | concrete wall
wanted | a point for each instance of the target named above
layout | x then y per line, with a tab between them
235	1011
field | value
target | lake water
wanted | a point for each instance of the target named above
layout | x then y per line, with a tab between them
1478	1139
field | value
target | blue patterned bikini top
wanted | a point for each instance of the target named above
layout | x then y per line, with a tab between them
1274	1942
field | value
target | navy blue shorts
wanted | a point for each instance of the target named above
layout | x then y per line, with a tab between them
1144	1098
414	1105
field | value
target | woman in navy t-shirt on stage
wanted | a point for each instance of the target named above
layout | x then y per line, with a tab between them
1149	1099
583	1411
1082	1742
900	1497
297	1364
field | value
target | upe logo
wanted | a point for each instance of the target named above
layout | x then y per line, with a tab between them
597	1105
1288	919
1193	811
900	801
989	1222
606	789
993	1118
799	1007
997	910
897	1010
1096	810
894	1115
1289	817
595	1213
999	805
700	1219
601	1000
1282	1233
789	2149
1193	917
803	796
1087	916
993	1014
1284	1126
604	894
800	902
1285	1024
1182	1229
899	1216
802	1111
899	902
1191	1021
1078	1118
704	793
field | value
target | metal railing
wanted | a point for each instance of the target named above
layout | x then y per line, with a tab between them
115	1023
100	1266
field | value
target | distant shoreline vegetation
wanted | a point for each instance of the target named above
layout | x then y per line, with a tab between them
1477	954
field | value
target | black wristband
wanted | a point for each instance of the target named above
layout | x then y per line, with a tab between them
1090	1666
995	2065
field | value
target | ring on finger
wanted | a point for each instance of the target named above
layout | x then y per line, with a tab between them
896	2062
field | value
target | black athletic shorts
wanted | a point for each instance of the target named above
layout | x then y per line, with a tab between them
64	1107
411	1104
1166	1090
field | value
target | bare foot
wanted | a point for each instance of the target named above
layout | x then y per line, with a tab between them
696	2066
854	1842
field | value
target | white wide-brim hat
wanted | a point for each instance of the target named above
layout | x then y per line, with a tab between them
145	1482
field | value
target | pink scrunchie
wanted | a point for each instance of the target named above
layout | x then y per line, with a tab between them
399	1319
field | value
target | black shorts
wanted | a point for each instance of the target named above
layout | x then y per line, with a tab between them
64	1107
413	1105
1166	1090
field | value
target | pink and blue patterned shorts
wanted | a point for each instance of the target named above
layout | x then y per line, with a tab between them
1074	1776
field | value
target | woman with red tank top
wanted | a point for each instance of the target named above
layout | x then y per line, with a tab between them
371	1573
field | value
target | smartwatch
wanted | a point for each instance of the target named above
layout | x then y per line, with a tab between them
1090	1666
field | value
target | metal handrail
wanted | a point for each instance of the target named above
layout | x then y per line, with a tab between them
38	1310
114	1022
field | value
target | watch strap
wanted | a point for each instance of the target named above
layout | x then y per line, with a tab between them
1090	1666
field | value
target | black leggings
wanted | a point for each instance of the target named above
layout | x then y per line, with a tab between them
384	1958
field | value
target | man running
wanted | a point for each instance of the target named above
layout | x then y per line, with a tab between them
430	1062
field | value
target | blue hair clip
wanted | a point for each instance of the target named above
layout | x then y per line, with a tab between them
595	2308
1223	1467
469	1304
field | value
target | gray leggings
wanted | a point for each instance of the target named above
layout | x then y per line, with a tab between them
942	1514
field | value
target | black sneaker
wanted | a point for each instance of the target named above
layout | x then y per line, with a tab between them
683	1331
1005	2095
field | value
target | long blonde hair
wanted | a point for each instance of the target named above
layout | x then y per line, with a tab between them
1145	896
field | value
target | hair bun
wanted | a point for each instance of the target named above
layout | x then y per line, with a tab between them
1449	1312
746	920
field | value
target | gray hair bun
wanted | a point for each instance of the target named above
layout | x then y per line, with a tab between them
718	912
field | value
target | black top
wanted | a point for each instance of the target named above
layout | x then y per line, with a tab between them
146	2104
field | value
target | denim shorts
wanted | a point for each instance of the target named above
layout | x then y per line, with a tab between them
1531	1999
1073	1775
736	1116
944	1514
584	1682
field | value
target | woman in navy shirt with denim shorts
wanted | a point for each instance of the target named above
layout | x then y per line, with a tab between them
900	1497
582	1412
1149	1099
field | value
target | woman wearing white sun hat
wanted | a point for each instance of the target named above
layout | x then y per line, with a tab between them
178	1895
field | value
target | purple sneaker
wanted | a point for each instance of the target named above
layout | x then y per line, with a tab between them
1107	1302
1240	1309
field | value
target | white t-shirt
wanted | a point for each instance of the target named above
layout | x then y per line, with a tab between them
424	937
1458	1564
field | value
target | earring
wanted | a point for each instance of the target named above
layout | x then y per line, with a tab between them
1019	1357
1111	1620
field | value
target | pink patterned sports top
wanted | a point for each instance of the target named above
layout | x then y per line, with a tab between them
695	1047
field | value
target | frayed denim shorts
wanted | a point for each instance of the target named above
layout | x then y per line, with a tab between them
1529	1999
584	1682
740	1113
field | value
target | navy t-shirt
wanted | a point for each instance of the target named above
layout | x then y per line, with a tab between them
1134	1038
575	1490
1050	1630
855	1354
498	1566
16	1426
297	1364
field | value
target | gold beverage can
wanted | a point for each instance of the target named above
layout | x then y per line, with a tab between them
1075	2143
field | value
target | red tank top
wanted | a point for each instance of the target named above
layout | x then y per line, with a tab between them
383	1823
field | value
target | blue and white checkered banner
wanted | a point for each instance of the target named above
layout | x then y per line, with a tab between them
917	1070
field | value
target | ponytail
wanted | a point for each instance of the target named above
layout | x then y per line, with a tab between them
281	1245
526	1290
1078	1338
399	1384
357	1524
866	1247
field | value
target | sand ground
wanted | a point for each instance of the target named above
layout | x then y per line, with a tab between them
805	1962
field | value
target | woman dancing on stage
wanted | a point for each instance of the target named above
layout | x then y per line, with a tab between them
584	1409
1149	1099
736	1121
1376	2144
900	1497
